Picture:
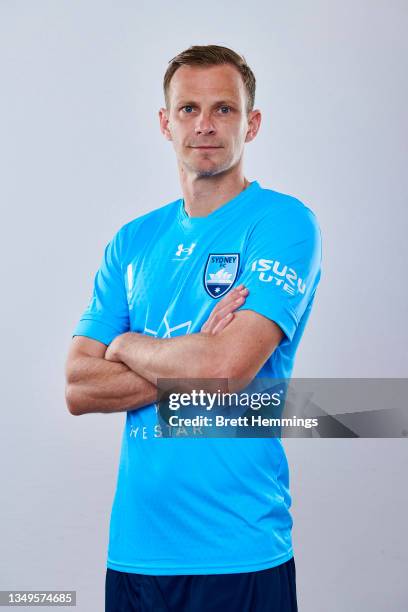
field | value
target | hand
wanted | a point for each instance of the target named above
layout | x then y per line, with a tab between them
223	313
112	352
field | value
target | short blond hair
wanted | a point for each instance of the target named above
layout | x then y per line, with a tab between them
211	55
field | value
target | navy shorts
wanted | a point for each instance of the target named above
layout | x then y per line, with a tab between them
269	590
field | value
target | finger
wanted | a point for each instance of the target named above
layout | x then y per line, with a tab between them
230	306
219	316
236	298
222	323
241	289
231	296
225	308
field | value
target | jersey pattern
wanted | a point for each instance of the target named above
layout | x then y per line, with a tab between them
187	505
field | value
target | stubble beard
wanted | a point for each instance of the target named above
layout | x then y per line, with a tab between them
214	171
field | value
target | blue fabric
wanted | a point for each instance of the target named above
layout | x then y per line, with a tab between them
190	505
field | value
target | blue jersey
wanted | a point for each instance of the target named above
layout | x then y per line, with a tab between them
188	505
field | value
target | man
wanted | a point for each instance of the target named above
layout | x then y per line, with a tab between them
218	284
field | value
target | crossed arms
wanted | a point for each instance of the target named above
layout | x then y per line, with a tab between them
123	376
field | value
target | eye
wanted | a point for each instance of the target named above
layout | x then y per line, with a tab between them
187	108
225	108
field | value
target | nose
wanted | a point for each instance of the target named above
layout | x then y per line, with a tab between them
204	124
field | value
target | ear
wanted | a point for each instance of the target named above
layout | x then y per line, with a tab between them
164	123
254	123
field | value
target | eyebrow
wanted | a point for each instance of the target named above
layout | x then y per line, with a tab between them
218	103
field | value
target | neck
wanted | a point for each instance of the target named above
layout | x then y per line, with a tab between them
203	195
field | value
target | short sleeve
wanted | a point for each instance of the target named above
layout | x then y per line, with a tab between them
107	314
282	267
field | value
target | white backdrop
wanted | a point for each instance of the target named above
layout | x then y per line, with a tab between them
81	154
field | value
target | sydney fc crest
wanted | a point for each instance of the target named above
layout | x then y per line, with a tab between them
220	273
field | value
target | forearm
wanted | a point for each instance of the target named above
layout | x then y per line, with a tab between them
95	384
191	356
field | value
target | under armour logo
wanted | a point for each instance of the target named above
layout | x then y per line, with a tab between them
188	250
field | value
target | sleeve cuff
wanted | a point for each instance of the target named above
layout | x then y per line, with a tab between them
282	317
96	330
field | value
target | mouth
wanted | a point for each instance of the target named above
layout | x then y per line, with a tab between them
205	148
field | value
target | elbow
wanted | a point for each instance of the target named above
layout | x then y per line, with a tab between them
224	370
72	400
237	376
217	363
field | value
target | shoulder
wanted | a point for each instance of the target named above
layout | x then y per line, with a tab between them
284	213
150	218
144	223
275	203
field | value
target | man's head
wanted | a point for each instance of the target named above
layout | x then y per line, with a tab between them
209	93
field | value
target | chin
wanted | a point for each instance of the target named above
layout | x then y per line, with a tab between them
201	173
210	171
207	168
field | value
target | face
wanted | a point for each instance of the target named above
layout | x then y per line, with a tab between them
207	120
